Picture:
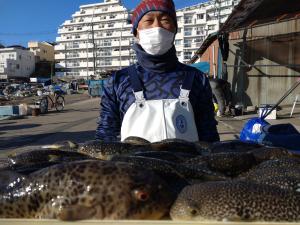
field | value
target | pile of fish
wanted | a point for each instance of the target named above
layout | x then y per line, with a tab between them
135	179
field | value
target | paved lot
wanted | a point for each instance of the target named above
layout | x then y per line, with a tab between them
78	123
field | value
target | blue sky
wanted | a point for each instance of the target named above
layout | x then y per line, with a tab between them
25	20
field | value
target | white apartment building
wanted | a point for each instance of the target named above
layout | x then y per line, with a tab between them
98	38
16	62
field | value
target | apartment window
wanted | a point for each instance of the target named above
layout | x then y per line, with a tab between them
81	20
18	66
187	55
11	56
112	16
82	12
77	36
111	25
188	31
70	28
199	30
200	16
1	65
177	42
105	62
211	27
20	57
188	19
104	9
197	40
108	34
187	43
105	53
79	28
99	34
178	54
101	26
179	30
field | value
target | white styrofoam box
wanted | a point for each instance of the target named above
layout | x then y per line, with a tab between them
271	116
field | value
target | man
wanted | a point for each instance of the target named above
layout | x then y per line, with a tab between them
158	97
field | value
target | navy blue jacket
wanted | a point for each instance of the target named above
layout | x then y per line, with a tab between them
118	96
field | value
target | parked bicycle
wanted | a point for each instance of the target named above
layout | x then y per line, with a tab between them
56	101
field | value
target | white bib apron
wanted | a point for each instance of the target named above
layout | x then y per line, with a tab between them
156	120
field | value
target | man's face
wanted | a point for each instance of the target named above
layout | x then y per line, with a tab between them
156	19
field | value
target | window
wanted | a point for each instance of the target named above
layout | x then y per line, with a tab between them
177	42
188	31
20	57
110	25
211	27
18	66
187	43
188	19
81	20
79	28
199	30
108	34
179	30
200	16
105	53
187	55
77	36
105	62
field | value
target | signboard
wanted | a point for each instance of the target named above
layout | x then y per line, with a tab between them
3	76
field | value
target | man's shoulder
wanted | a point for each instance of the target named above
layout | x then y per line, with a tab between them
120	75
124	71
192	69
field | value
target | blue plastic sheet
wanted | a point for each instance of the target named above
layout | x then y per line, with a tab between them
96	87
202	66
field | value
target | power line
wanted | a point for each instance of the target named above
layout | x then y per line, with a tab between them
29	33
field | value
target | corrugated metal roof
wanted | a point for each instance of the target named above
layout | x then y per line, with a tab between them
254	12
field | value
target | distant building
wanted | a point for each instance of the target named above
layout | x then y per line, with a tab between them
43	51
44	58
98	38
16	62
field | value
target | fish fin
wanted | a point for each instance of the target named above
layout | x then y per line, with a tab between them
76	212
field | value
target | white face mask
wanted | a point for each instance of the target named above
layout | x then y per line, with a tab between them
156	41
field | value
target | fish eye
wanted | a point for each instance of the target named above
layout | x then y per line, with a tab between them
141	195
194	212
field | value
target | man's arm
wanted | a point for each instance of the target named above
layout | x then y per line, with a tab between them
109	123
204	114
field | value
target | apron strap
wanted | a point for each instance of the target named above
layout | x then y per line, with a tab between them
186	86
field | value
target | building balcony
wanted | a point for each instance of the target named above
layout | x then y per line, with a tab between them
123	53
123	63
60	56
59	47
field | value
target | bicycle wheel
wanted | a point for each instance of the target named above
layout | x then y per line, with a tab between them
44	105
59	103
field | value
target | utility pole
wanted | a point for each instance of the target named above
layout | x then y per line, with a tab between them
93	41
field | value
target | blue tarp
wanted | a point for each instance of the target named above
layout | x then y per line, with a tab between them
96	87
202	66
